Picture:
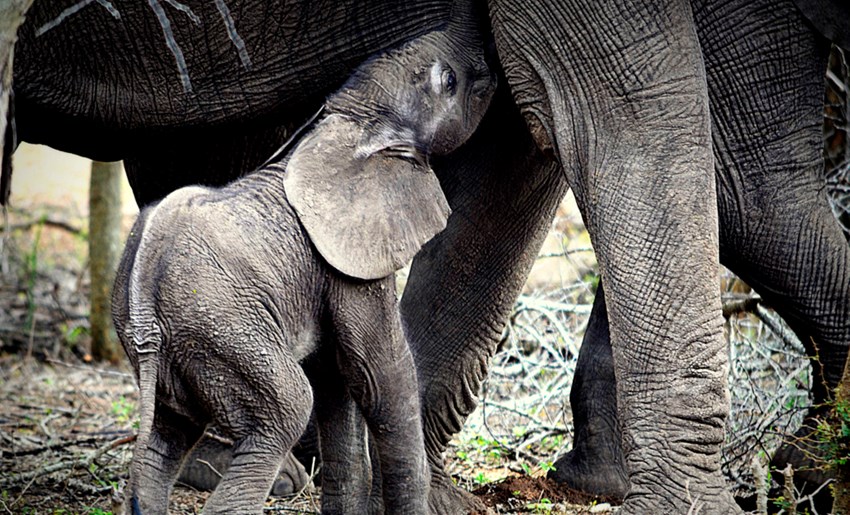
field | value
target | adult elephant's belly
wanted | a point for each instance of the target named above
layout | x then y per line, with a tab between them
98	80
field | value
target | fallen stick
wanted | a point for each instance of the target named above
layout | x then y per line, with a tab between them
89	368
50	447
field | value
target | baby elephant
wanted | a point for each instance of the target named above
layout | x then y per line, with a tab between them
227	298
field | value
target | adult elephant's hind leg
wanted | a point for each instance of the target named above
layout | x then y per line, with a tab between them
503	193
777	230
595	463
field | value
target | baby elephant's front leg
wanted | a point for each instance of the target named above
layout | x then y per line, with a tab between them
379	372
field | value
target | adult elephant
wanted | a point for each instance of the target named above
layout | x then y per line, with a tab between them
610	97
777	231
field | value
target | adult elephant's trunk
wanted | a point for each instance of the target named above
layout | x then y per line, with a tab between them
463	283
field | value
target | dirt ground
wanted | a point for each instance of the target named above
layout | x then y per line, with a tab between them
67	430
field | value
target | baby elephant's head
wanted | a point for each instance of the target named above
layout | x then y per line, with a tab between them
359	180
426	97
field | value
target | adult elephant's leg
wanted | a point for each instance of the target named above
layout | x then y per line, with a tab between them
618	88
595	463
778	233
503	193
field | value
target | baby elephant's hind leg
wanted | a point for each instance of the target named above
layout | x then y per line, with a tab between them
156	467
280	410
346	474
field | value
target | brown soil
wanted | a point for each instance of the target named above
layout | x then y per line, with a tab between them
524	494
66	438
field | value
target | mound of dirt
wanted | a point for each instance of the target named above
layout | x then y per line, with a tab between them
518	494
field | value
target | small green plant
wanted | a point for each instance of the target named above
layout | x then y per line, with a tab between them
833	434
122	409
73	334
552	443
782	503
479	447
463	455
91	510
544	505
546	466
481	479
591	279
31	271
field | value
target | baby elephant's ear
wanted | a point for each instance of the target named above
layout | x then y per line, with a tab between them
366	210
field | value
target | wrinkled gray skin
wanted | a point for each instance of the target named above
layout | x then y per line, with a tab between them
228	299
643	107
777	231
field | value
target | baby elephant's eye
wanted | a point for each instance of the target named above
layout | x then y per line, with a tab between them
449	81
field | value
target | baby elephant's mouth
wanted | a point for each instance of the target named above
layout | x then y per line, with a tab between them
484	83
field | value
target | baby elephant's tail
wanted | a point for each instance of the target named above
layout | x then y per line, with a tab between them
145	338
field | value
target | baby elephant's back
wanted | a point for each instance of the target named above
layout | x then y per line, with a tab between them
222	261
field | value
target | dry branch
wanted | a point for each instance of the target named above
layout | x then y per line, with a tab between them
47	222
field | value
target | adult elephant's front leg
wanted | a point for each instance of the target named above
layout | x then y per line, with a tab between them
503	193
618	90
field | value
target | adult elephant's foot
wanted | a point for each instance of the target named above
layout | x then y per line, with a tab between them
583	470
447	499
206	463
707	500
211	457
291	479
595	464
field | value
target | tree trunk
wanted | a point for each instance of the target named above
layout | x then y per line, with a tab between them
104	252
